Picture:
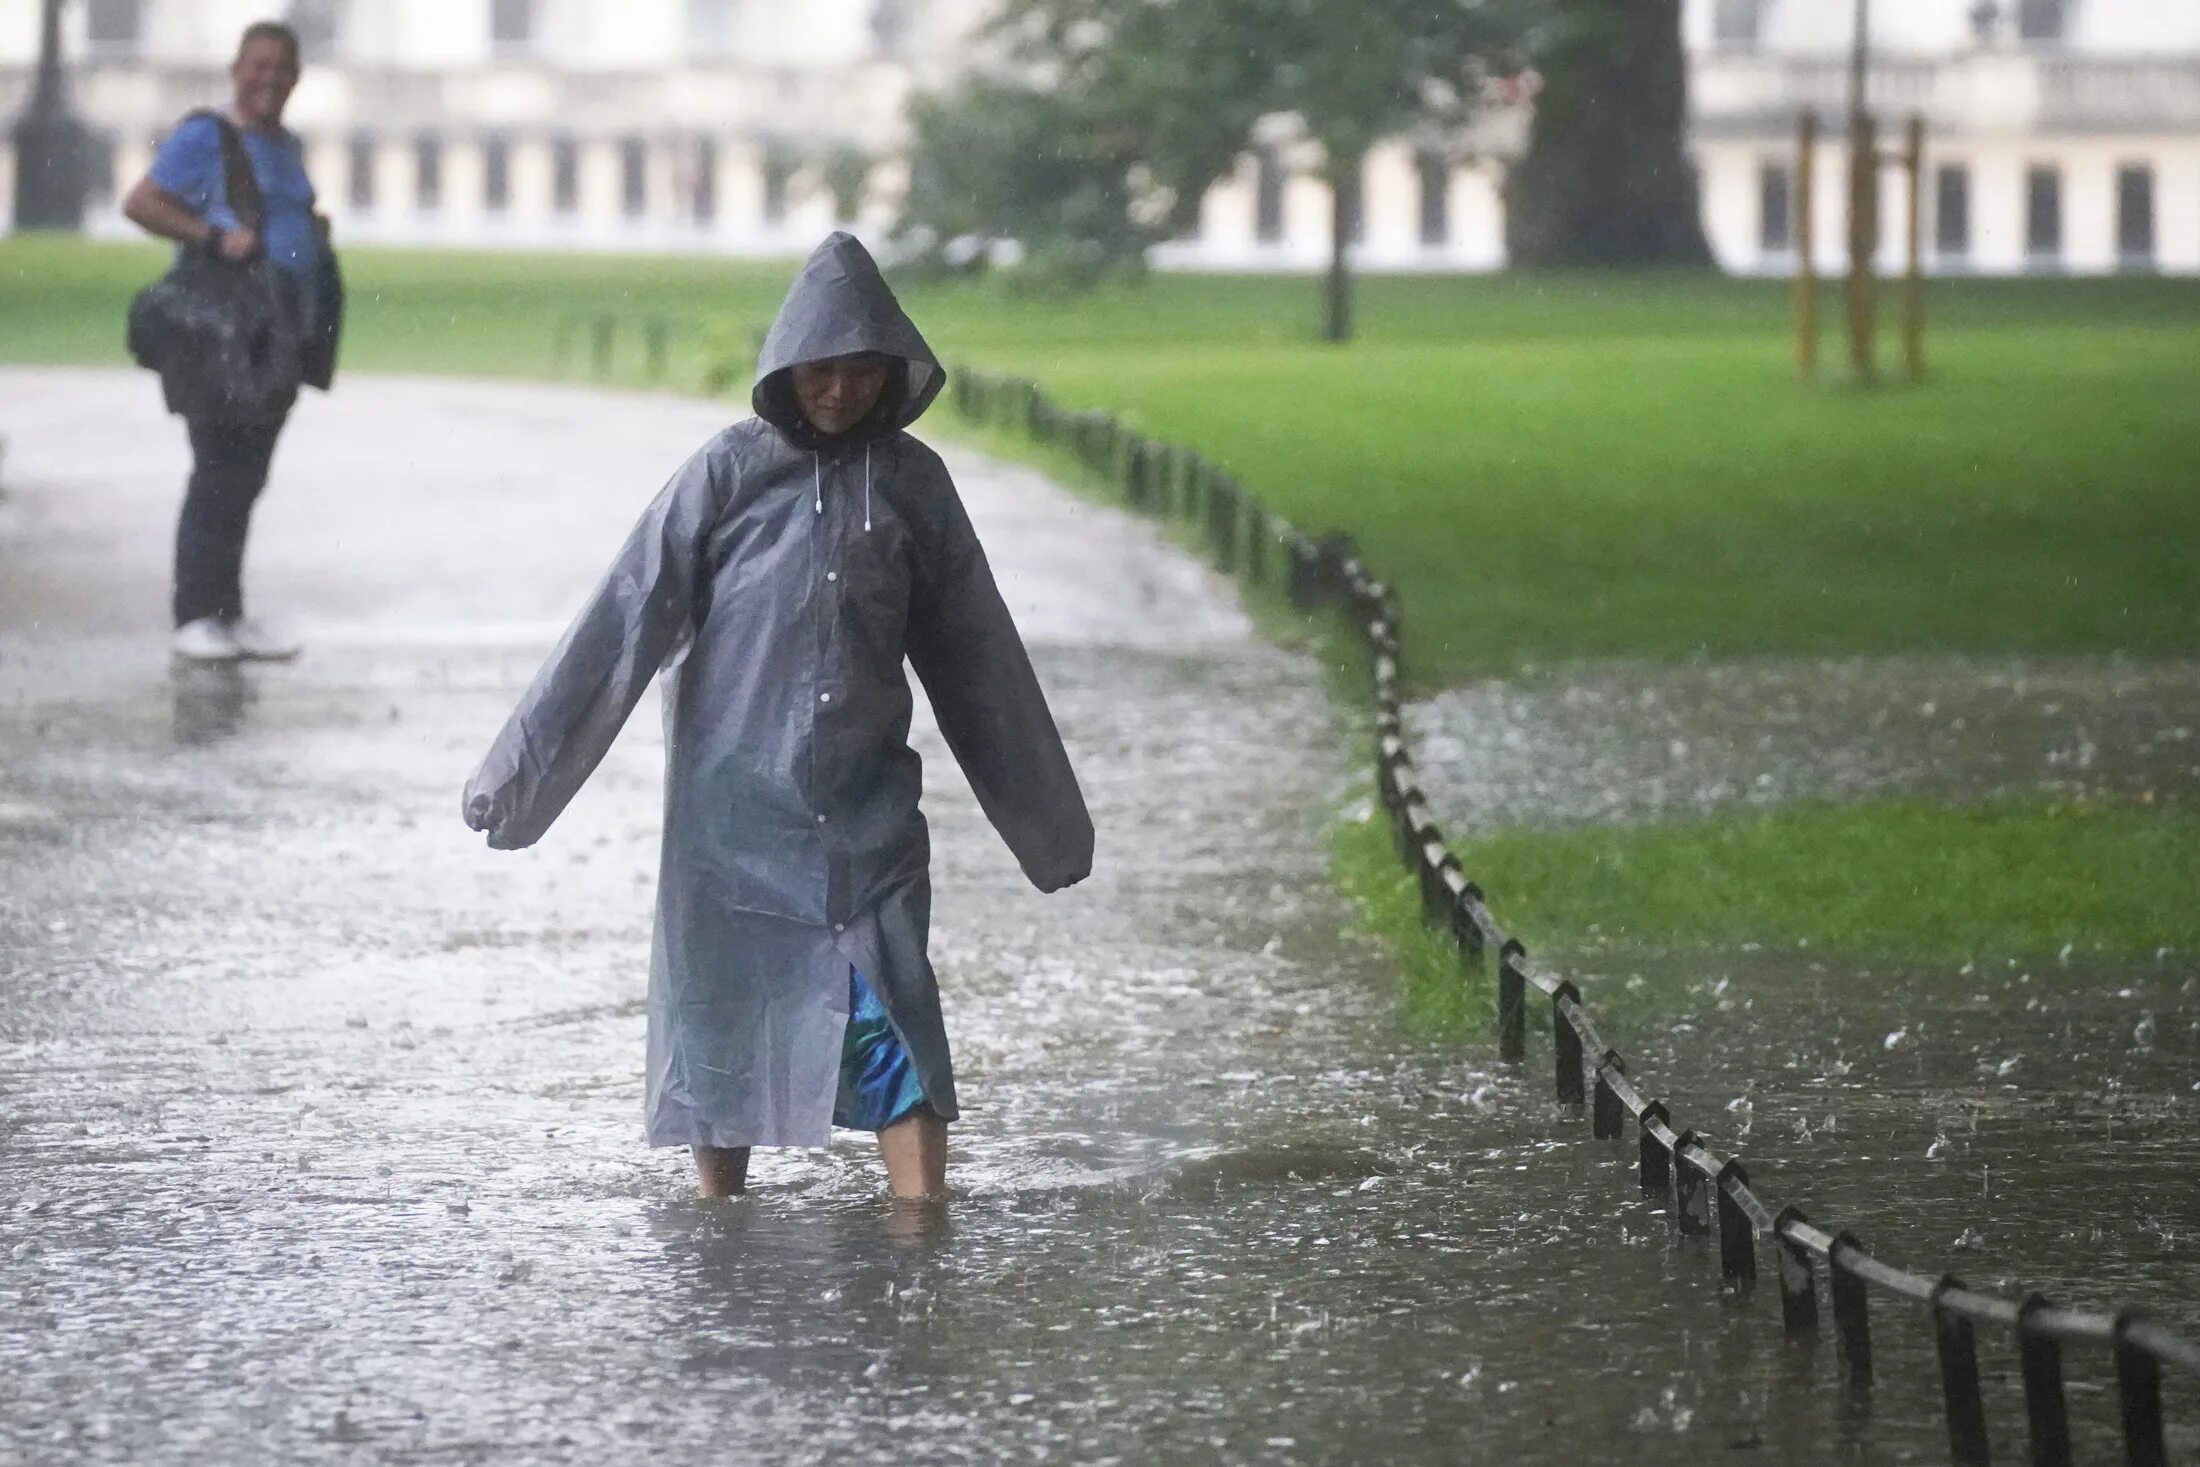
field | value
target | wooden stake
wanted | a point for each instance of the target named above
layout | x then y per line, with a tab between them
1806	236
1913	278
1863	203
1863	233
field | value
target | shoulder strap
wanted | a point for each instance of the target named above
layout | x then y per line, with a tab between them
240	186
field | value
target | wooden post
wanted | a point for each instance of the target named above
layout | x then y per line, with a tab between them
1863	204
1863	234
1806	263
1913	275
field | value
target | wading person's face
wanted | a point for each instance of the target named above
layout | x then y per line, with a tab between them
836	393
263	74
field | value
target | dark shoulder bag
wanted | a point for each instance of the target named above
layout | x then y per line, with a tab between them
223	335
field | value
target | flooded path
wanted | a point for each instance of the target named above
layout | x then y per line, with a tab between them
319	1130
1633	743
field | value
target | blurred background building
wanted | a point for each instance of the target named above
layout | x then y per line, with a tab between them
2063	135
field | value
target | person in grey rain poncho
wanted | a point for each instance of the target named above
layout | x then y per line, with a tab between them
783	575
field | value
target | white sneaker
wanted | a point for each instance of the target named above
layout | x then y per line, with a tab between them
262	644
206	640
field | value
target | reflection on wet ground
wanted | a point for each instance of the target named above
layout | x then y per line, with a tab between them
319	1124
1632	743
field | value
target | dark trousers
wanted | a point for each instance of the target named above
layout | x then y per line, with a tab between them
229	463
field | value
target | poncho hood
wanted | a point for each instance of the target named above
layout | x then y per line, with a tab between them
839	305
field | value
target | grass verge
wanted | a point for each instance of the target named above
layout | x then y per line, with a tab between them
2016	877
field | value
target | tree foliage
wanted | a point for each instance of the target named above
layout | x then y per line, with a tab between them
1145	104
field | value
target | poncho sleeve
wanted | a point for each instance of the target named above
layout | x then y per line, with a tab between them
637	617
965	648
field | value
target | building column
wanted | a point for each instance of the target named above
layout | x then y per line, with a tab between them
1478	215
1226	216
464	173
740	193
601	214
882	200
533	196
393	181
328	164
1390	205
2177	208
2089	205
1306	212
1997	210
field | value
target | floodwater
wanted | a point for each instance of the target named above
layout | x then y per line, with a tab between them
1632	743
319	1124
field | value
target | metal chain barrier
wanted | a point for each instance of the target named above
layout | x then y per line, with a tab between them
1708	1194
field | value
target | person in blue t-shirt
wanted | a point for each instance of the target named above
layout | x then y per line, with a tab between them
182	198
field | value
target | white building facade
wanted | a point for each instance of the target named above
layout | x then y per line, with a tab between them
747	126
2062	135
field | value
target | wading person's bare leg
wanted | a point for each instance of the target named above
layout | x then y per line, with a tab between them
915	1151
723	1171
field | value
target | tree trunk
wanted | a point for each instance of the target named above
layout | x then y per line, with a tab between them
1344	223
1607	179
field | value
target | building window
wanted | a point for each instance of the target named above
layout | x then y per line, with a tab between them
511	25
778	177
100	169
1952	211
565	175
318	23
496	174
2135	216
2043	214
633	177
1775	208
2042	20
703	187
1268	197
427	174
1435	178
115	28
1736	22
359	165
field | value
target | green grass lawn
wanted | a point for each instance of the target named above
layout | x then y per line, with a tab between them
1552	469
2020	877
1548	468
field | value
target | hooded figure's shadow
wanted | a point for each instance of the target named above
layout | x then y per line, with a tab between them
210	699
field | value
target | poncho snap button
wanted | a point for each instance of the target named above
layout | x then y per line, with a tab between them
824	697
832	575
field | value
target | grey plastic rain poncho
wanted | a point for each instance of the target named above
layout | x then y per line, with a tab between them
796	572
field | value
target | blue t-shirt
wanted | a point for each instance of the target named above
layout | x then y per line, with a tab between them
189	165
